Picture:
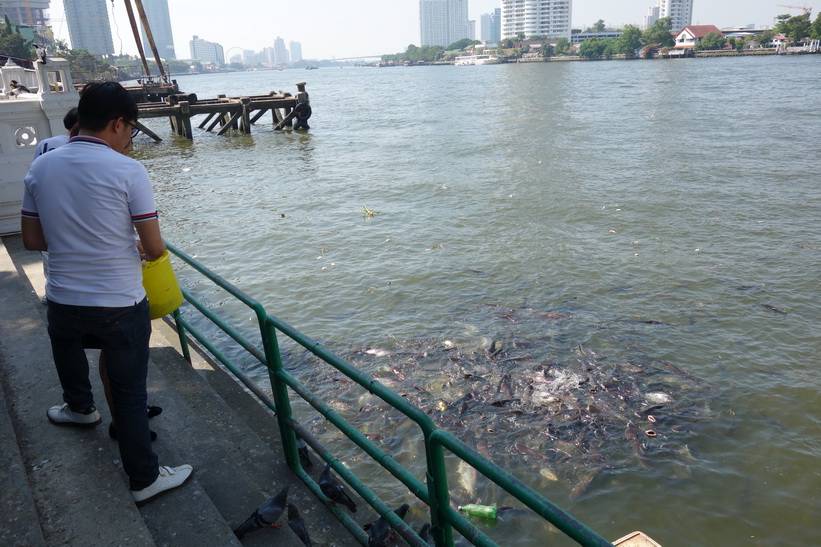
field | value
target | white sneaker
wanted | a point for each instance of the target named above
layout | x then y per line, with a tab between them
170	477
63	415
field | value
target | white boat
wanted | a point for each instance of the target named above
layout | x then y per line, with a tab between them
464	60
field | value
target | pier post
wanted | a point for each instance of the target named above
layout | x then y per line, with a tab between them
174	125
245	119
302	99
185	120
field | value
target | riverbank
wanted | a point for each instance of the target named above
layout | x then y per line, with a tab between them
672	54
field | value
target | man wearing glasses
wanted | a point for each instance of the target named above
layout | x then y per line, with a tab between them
83	203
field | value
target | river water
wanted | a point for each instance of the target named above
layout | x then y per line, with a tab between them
604	275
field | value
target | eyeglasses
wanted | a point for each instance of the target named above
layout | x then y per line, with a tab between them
134	129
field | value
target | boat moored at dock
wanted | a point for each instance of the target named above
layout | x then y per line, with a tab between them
465	60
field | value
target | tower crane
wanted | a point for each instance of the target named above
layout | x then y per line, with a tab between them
805	9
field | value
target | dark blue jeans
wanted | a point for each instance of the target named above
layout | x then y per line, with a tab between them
122	335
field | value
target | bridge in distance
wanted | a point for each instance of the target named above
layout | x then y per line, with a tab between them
365	58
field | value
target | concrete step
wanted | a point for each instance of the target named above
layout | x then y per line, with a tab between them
79	494
19	523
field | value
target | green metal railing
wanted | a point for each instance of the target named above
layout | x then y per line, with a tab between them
433	491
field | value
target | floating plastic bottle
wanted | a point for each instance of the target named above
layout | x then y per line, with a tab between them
483	511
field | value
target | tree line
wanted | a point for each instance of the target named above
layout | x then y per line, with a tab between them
659	36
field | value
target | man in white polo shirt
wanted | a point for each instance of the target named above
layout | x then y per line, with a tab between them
82	203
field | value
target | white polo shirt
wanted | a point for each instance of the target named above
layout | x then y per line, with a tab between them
88	197
51	143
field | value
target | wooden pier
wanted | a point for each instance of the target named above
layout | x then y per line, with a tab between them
229	113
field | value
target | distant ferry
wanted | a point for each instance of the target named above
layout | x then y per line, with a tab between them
464	60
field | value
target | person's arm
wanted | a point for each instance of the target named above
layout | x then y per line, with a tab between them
33	237
151	245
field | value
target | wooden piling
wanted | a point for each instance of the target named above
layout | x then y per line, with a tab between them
185	118
286	121
147	131
206	120
245	117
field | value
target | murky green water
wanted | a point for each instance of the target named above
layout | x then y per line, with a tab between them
661	215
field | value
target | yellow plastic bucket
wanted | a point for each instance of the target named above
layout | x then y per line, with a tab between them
161	287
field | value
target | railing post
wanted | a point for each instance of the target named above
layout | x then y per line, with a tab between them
186	353
438	493
279	389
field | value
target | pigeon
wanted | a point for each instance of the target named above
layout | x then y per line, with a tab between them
304	457
265	516
296	524
334	490
380	531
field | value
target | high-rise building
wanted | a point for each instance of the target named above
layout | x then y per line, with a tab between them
88	26
496	25
679	11
443	22
280	52
25	12
296	51
652	15
268	56
549	18
491	26
484	27
156	11
208	53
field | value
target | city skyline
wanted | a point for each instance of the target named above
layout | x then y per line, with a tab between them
372	27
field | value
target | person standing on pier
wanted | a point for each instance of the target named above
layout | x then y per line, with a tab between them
82	203
70	123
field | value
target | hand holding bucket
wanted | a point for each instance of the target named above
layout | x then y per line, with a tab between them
161	287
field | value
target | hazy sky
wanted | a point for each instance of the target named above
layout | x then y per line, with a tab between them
335	28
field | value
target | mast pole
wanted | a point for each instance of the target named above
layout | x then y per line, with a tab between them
150	38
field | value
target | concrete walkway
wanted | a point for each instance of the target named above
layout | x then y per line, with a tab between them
64	486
